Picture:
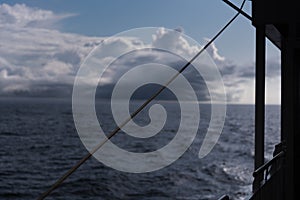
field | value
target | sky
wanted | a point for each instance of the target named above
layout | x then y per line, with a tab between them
43	43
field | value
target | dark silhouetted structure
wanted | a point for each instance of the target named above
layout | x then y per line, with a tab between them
277	20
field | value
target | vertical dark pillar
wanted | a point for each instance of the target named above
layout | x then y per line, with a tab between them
289	102
259	101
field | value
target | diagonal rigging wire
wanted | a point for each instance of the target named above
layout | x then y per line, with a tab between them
132	115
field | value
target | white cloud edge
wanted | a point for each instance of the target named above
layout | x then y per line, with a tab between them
30	37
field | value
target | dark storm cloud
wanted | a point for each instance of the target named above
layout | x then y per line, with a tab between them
228	70
44	90
273	68
36	59
247	72
146	56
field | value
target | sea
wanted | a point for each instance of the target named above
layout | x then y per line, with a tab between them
39	143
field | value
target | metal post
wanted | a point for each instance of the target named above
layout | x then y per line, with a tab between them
290	100
259	102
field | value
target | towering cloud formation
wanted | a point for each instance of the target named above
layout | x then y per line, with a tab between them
37	59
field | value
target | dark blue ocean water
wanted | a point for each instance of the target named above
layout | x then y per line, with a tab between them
39	142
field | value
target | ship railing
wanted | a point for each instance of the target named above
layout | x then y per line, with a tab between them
264	172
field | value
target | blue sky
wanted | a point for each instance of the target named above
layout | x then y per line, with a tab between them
199	19
94	19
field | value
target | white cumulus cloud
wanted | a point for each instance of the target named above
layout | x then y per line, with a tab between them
33	55
36	58
23	16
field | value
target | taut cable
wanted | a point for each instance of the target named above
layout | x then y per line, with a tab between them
117	129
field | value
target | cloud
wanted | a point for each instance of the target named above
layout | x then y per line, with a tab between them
239	80
213	51
146	56
21	15
273	68
36	59
178	47
175	42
